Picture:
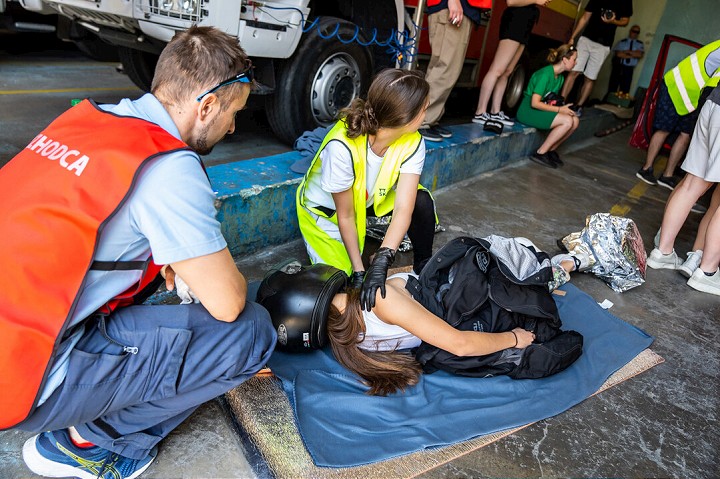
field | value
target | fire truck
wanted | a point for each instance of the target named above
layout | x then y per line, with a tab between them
311	57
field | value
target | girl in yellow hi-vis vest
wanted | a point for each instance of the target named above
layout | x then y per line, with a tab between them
370	164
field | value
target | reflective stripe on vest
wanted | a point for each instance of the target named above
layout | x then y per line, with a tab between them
56	197
686	81
333	252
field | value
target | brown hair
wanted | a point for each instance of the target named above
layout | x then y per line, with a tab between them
557	54
395	98
383	371
197	59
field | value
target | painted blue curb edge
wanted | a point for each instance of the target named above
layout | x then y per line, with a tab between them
256	198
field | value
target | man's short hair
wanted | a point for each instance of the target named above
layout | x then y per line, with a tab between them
195	60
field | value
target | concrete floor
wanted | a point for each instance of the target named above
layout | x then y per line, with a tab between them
662	423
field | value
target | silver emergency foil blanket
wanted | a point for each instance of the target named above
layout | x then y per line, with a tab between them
615	249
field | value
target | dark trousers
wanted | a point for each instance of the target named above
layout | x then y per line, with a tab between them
128	402
422	228
620	77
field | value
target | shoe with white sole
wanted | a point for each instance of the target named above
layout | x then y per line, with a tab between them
691	263
702	282
658	260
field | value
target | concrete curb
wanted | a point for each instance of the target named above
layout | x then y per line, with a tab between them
256	198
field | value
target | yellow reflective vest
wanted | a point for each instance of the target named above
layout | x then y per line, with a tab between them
333	252
689	77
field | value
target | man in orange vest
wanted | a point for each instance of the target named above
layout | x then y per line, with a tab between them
89	208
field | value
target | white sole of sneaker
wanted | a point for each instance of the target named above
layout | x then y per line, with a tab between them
658	265
479	121
646	181
685	271
42	466
703	287
664	185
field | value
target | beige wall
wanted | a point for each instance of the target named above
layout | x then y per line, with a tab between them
647	14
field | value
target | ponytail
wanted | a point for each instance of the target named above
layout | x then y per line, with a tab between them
395	98
384	372
359	118
557	54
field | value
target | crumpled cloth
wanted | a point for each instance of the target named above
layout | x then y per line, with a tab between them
615	249
308	144
183	291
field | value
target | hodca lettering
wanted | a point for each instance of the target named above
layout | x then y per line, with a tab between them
71	160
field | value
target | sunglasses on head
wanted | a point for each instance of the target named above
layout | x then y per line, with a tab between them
247	76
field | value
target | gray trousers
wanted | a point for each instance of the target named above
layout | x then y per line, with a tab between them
127	402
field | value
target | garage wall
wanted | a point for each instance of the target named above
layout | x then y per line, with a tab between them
695	20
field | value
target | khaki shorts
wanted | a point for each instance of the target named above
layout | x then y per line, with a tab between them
590	58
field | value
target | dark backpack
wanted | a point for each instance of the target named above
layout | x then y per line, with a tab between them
466	285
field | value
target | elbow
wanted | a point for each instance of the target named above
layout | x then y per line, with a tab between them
463	347
229	313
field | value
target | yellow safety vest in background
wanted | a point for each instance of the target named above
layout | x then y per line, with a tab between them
688	78
333	252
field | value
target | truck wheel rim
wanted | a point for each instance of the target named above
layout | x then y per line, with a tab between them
336	83
515	87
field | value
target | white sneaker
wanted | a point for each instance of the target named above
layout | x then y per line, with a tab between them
502	118
691	263
702	282
658	260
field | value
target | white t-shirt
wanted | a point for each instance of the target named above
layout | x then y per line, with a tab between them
381	336
337	174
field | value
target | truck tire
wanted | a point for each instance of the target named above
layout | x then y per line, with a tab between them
139	66
322	77
516	87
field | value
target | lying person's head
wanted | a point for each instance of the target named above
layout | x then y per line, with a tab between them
385	372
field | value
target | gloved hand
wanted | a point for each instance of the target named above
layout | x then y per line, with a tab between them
375	277
356	279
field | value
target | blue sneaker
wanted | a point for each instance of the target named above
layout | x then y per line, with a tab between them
52	454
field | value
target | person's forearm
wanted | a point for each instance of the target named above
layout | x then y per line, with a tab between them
349	235
621	22
521	3
398	228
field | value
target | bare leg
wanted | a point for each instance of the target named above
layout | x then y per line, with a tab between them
569	82
502	81
561	125
585	91
656	143
575	123
702	228
711	253
676	152
682	199
503	57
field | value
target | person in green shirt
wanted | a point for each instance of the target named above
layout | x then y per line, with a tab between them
540	110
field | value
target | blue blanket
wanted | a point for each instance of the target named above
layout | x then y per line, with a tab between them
343	427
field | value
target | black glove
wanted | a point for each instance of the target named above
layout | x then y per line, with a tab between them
375	278
356	279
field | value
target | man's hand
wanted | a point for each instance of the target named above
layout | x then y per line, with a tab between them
455	12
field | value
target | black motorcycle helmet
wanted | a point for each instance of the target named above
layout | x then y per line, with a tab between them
298	299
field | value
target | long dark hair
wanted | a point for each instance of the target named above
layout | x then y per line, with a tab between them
384	372
395	98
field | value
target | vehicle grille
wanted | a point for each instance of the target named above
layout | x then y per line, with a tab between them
94	17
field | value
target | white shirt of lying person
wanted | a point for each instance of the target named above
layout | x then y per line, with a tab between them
381	336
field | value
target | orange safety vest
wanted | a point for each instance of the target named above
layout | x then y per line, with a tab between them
55	198
484	4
